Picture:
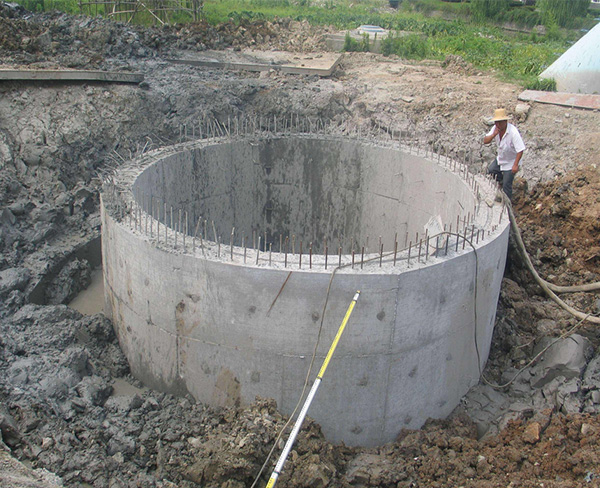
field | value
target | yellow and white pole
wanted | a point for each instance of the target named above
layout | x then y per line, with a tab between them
309	398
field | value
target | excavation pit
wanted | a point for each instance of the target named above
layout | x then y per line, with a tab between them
219	259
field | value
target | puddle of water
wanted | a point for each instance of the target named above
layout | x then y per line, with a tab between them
91	300
121	387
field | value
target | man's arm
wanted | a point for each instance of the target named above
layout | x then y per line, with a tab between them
490	137
515	167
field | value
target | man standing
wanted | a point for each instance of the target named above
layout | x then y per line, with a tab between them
510	150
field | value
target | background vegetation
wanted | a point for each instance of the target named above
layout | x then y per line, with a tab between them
475	29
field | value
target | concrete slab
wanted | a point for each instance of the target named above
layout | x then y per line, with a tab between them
577	100
69	75
320	64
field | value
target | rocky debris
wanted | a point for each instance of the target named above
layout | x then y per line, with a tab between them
556	382
456	64
72	278
565	357
13	279
522	111
560	223
53	40
14	474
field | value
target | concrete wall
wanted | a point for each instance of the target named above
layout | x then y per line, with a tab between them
315	189
198	325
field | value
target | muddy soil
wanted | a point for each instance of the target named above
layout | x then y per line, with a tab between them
63	411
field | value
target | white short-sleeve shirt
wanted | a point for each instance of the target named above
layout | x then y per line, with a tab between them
508	147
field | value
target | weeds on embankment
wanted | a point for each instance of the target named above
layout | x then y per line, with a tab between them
419	29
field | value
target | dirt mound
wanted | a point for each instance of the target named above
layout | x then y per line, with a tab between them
562	221
59	40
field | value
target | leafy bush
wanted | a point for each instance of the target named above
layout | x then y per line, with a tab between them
543	84
412	46
553	32
524	16
352	45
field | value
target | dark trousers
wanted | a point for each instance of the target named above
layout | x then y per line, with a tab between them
504	177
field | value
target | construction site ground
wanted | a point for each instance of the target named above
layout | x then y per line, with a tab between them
71	414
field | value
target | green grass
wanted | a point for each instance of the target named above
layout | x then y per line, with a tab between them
343	14
516	57
543	84
520	61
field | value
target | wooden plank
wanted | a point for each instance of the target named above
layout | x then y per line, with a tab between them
577	100
69	75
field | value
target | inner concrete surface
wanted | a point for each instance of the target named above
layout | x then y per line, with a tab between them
226	323
335	191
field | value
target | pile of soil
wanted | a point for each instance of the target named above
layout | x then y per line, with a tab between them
63	406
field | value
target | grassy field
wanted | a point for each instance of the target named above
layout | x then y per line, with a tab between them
437	29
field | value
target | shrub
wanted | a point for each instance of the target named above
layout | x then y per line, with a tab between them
352	45
525	16
553	32
543	84
413	46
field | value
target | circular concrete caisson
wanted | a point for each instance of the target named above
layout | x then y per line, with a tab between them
219	259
